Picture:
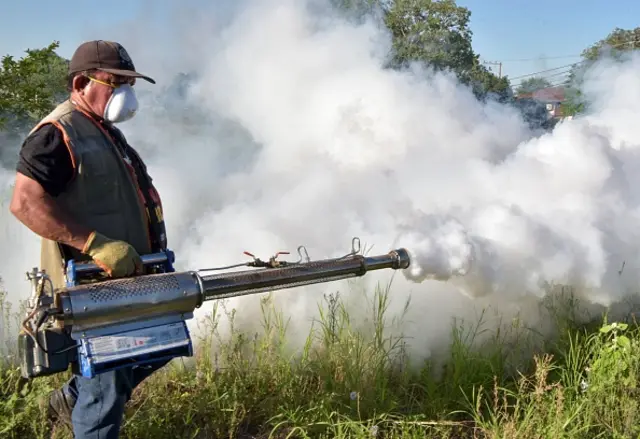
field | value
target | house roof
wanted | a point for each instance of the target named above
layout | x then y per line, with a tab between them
549	94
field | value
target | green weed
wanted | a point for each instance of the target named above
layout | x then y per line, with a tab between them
353	380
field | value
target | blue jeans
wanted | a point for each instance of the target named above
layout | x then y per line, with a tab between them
100	401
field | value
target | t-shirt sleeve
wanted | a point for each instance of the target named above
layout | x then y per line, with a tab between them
45	158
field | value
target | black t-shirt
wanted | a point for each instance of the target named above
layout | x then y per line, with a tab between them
45	158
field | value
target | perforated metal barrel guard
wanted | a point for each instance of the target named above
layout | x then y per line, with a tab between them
125	300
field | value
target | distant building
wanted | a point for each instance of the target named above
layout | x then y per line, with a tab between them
551	97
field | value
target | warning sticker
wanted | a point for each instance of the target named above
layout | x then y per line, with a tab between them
136	342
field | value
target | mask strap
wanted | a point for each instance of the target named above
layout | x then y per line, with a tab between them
101	82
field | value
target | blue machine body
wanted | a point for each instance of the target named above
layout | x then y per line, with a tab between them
132	344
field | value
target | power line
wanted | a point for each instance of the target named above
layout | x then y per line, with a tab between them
541	58
551	84
564	72
572	64
548	70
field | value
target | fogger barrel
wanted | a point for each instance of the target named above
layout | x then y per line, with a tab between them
97	326
119	301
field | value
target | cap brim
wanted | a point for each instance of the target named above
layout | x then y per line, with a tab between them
128	73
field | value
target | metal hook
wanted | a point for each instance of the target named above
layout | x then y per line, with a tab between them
353	245
301	249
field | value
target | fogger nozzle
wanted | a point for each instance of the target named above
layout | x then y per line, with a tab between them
122	301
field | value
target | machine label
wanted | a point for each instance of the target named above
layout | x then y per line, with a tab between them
136	342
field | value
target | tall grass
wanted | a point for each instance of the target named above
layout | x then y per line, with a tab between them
350	380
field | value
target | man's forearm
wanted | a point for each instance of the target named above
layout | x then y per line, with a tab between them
46	219
40	213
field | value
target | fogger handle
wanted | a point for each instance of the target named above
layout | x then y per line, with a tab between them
149	259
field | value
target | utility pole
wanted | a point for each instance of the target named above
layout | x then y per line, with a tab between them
498	63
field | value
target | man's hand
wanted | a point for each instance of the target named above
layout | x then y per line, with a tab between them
116	258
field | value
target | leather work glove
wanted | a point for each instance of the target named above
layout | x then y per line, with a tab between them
116	258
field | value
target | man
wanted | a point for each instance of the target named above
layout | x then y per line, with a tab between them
82	188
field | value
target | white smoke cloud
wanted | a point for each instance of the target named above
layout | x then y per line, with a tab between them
292	132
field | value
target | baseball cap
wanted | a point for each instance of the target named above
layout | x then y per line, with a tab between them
107	56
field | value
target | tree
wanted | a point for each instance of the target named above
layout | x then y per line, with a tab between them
617	43
532	84
438	34
31	87
433	31
485	84
614	46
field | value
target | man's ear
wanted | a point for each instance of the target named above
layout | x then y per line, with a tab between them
79	83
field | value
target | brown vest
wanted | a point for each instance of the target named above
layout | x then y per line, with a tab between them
103	194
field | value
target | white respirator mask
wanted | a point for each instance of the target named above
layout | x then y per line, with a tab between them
123	103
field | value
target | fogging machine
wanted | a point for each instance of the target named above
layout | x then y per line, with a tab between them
99	326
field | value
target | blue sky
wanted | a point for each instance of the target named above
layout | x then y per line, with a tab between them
526	36
545	33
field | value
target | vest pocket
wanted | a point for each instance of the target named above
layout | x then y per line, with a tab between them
100	182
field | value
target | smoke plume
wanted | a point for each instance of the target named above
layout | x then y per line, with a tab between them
275	124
